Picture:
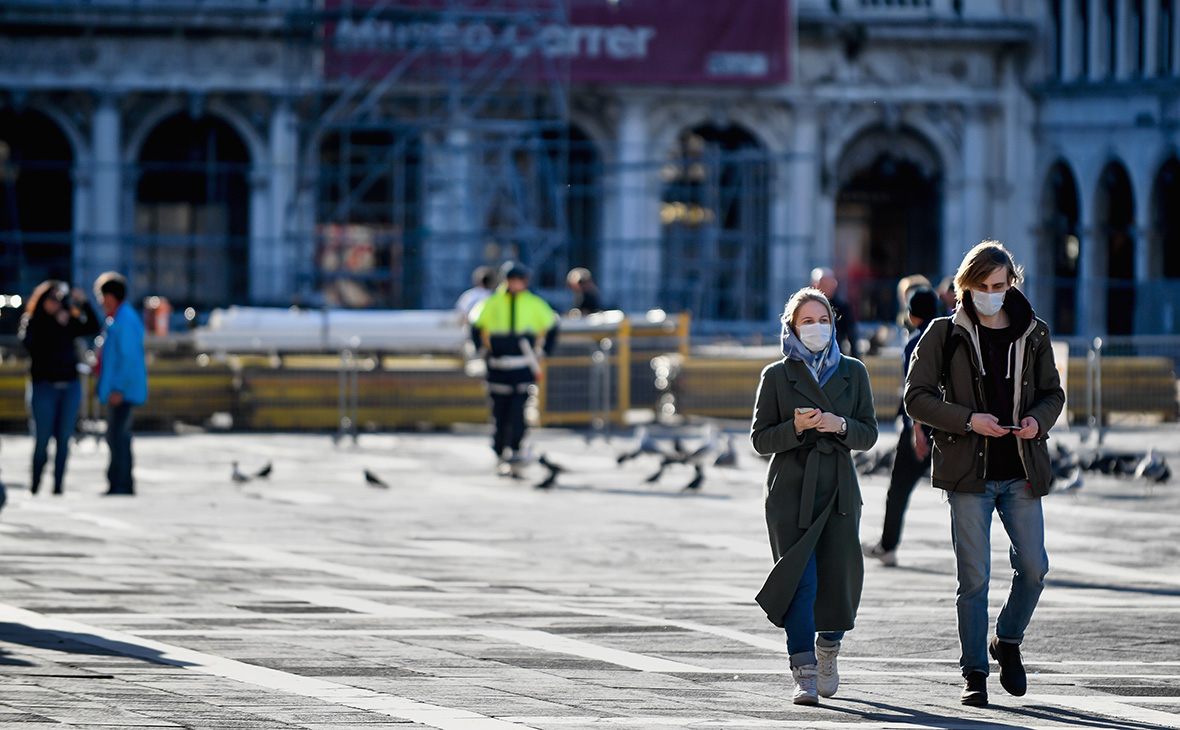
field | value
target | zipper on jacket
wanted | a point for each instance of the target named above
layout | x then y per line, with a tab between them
983	404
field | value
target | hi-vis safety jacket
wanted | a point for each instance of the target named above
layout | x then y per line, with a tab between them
511	325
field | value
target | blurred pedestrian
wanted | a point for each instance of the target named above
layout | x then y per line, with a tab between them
912	457
985	381
54	319
906	286
517	326
586	299
812	409
824	279
946	294
483	281
122	379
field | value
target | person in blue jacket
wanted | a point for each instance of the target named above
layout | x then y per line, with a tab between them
122	379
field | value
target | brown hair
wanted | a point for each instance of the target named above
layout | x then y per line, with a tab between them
801	297
50	287
980	262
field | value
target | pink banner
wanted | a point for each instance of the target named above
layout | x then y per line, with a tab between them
603	41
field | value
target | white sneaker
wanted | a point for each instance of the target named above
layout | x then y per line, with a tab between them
805	693
829	679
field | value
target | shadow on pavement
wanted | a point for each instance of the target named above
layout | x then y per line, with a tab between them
1112	588
892	714
8	660
78	643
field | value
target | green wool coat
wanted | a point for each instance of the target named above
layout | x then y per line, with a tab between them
812	497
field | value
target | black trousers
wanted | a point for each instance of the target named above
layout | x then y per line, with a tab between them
508	414
119	440
907	469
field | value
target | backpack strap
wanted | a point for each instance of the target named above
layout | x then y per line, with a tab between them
949	343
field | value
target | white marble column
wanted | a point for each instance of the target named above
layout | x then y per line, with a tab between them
105	249
260	228
271	260
632	260
976	221
790	260
1097	63
1091	275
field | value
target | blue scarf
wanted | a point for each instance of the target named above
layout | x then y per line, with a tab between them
821	364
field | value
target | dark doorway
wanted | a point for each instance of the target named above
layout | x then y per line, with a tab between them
369	223
1164	253
1115	216
1061	246
714	219
192	214
36	202
888	220
584	203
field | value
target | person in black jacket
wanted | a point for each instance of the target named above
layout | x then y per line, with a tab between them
54	318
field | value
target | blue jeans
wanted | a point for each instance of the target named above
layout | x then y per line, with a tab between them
119	441
54	407
800	620
971	520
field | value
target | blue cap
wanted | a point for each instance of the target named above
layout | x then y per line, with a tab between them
510	269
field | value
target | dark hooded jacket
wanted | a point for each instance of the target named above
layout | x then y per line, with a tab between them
960	458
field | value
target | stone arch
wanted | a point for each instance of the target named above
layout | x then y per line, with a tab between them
37	162
714	220
889	185
192	197
1115	242
1061	245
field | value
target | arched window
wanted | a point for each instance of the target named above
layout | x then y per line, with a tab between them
1115	216
714	224
369	219
192	214
1061	246
36	202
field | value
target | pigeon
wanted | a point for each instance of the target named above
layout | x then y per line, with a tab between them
1153	468
728	457
697	481
264	472
554	470
664	462
647	445
238	476
1070	484
375	481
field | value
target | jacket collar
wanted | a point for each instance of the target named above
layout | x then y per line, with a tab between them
805	383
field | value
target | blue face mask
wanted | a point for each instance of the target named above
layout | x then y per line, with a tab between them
988	304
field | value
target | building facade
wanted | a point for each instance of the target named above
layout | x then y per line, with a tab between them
221	152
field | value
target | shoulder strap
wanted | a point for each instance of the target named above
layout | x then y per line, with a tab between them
949	343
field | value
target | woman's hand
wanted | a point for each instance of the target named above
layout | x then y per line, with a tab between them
806	418
830	423
1029	428
985	424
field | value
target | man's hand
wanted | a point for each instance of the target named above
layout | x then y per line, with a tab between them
1029	428
921	443
115	398
987	425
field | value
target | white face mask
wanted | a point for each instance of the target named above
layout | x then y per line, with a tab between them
987	304
815	337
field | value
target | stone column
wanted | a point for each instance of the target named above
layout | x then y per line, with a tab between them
1071	46
1123	59
789	258
105	245
452	248
631	261
260	228
1091	301
1097	64
976	221
271	274
1150	20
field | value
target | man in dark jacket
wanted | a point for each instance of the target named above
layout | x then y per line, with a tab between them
912	457
824	279
986	382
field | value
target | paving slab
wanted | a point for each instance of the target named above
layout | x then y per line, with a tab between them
460	600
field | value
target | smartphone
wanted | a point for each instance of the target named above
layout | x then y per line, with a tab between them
1011	428
804	410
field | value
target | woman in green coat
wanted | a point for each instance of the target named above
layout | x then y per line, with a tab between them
813	408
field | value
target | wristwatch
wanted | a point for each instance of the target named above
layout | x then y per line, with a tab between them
843	426
969	428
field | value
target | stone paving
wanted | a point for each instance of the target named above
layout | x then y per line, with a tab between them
456	599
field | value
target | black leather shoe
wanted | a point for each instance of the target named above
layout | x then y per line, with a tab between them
975	690
1012	677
